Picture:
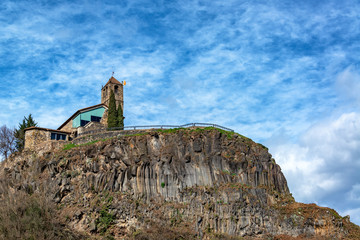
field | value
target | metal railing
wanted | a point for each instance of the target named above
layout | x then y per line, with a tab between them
145	127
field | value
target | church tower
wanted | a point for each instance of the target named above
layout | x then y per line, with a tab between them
117	88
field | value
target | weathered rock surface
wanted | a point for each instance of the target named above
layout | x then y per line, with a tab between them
200	183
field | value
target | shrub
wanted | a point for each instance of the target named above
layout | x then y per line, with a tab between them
105	220
25	216
69	146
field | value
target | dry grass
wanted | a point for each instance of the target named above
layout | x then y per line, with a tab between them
27	215
156	232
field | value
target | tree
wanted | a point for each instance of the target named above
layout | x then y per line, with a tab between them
120	117
20	133
112	113
7	141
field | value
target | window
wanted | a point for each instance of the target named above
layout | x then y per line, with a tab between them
95	119
53	136
58	136
83	123
116	89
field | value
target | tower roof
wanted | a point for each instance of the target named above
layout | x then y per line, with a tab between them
113	80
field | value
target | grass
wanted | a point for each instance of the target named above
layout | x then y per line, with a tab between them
335	214
73	145
263	146
69	146
89	143
135	134
30	216
176	218
229	134
171	130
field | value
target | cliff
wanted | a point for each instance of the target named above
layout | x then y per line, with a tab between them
177	184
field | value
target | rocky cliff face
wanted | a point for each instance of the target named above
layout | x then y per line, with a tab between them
180	184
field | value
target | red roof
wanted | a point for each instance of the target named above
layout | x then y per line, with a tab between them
113	80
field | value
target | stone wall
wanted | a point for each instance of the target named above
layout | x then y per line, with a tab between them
68	127
104	118
118	94
91	126
39	140
34	137
106	134
49	146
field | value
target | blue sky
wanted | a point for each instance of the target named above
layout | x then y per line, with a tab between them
284	73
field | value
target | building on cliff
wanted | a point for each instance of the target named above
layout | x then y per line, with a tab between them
85	119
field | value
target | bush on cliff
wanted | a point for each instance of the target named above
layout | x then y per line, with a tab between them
29	215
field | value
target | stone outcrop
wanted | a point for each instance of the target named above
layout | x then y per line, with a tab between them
202	183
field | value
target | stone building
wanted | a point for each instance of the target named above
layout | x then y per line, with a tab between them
117	88
85	119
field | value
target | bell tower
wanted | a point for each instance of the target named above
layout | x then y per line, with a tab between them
117	88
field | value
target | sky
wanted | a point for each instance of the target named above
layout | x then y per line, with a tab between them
283	73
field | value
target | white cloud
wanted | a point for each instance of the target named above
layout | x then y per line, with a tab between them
353	213
324	165
355	193
348	84
262	68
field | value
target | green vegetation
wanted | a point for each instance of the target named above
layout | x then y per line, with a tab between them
335	214
120	117
226	172
106	218
228	134
20	133
176	218
243	137
72	145
162	184
263	146
115	116
89	143
112	113
171	130
69	146
135	134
